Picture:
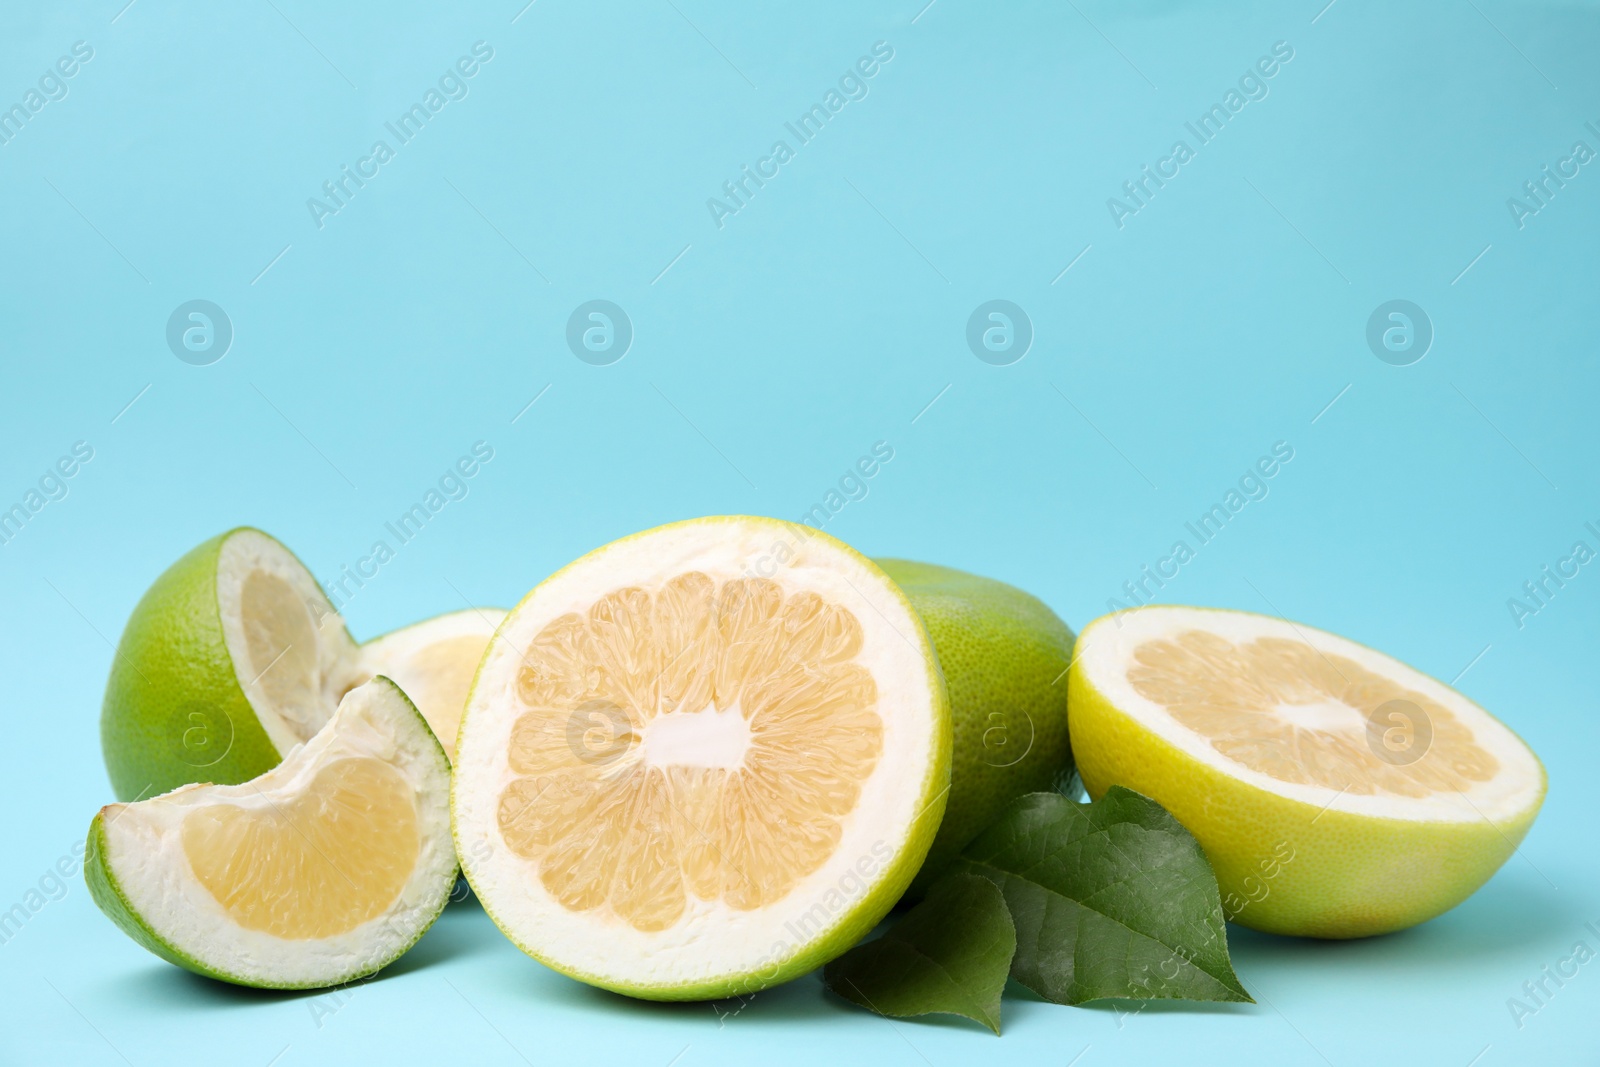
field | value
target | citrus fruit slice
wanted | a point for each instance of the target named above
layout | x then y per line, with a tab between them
323	870
235	655
1004	655
1337	792
702	760
434	661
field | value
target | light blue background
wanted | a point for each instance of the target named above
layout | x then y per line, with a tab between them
823	317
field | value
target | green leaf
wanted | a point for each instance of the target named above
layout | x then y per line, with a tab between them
948	954
1111	899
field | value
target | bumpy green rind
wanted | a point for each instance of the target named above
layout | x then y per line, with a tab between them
107	892
873	906
1004	654
173	698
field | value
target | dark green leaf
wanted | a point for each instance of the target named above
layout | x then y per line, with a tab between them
1111	899
948	954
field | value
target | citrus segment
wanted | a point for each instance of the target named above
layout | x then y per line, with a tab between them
322	870
275	870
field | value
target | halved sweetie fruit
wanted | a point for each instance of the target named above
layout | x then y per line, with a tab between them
322	870
235	655
1336	791
434	661
702	760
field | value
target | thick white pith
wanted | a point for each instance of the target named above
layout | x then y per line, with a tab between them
419	658
1107	646
146	857
712	940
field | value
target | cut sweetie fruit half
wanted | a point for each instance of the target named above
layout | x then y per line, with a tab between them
1336	791
702	760
322	870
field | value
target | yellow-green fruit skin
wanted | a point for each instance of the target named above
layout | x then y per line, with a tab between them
1283	866
173	712
107	893
1004	655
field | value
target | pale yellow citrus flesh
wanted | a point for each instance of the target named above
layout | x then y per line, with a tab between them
1300	715
282	641
438	677
314	865
614	817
